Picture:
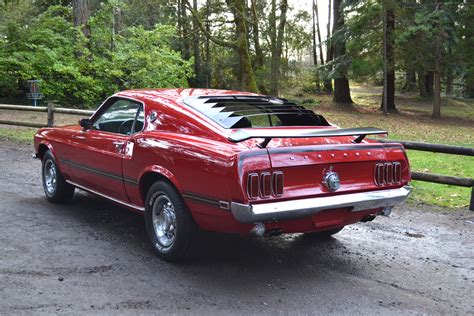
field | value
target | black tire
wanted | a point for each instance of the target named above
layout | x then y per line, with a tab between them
180	228
324	234
61	191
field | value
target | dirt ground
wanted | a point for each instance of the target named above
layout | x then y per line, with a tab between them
92	257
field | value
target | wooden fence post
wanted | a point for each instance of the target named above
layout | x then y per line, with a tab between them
471	205
50	114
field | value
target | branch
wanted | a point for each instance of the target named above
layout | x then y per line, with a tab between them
214	39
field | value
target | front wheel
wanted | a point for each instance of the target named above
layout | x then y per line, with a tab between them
55	187
169	224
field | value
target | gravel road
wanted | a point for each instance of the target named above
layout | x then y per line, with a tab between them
92	257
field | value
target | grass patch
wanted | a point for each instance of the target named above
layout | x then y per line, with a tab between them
440	194
22	135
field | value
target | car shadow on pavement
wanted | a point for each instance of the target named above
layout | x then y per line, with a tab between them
280	253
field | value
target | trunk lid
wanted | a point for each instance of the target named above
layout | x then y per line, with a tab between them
305	167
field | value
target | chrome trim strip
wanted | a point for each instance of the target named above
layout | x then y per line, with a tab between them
99	172
323	148
248	213
206	200
138	208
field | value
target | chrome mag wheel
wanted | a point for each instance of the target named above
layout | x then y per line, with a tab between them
164	221
50	177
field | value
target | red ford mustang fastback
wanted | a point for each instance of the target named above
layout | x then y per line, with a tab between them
223	161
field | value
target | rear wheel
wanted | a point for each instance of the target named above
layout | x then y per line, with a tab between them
169	224
324	234
55	187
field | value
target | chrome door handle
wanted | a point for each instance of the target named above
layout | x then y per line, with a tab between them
118	144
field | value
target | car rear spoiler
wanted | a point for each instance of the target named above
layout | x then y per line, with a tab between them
244	134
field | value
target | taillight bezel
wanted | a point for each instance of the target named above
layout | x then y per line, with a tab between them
265	184
388	173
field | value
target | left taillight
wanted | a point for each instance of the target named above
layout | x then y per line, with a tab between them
253	185
265	184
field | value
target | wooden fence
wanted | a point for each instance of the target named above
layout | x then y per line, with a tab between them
420	176
50	110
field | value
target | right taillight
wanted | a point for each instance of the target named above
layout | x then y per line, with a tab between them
265	184
387	173
277	181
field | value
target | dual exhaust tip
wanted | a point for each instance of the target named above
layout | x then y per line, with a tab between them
259	229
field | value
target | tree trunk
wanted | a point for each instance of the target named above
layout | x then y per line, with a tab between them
277	46
198	76
183	26
410	81
329	48
329	51
342	93
422	85
429	81
437	72
259	61
437	95
207	46
80	14
321	57
449	82
389	42
314	50
246	73
469	90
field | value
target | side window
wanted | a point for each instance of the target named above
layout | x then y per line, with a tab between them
119	117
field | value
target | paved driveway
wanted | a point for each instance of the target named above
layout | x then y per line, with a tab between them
91	256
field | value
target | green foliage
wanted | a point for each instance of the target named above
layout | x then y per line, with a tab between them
78	71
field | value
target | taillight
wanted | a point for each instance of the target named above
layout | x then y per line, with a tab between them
265	184
277	183
387	173
252	185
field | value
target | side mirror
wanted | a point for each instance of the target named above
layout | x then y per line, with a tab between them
85	123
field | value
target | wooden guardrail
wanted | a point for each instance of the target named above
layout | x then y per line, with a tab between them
438	178
50	110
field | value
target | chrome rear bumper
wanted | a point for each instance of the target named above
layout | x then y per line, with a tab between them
248	213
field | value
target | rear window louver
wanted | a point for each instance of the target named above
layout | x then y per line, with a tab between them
232	111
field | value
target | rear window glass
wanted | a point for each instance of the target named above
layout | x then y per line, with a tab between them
249	111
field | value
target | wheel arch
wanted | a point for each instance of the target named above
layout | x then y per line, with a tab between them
153	174
43	147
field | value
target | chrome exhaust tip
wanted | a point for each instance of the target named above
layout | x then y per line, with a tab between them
257	230
368	218
386	211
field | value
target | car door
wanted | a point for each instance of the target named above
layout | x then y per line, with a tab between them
97	153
